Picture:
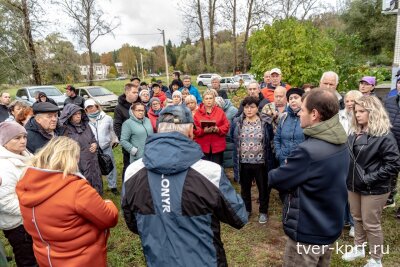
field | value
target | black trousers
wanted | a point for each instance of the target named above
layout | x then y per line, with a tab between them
215	157
126	158
21	243
248	172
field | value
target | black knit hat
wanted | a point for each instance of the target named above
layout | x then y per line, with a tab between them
294	90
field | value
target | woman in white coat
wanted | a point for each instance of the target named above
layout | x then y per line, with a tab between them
102	128
13	160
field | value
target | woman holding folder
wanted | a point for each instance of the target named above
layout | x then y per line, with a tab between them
211	126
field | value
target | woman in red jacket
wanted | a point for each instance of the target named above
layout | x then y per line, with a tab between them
211	127
66	217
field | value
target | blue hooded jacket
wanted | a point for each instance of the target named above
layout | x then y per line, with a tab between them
288	136
175	202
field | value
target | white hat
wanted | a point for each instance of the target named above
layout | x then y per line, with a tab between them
276	70
90	102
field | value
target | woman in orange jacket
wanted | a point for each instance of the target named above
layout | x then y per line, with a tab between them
66	217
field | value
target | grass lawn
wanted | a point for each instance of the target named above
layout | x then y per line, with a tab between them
254	245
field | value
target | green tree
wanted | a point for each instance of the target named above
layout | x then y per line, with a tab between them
299	49
112	73
127	56
59	60
171	53
376	30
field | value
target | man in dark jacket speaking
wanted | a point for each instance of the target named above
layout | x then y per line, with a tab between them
175	200
314	180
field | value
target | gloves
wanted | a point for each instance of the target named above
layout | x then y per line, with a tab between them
133	151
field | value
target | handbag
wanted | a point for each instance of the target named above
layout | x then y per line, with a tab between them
105	162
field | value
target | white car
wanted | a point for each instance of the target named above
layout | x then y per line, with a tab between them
227	83
27	94
205	78
105	98
246	78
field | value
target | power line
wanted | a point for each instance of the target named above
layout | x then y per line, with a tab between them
128	34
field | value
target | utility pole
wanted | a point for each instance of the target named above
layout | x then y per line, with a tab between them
165	55
141	59
137	69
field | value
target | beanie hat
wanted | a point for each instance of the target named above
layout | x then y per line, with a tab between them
178	93
154	99
9	130
220	102
144	91
293	91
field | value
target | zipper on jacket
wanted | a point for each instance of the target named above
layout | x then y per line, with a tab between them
288	208
354	165
40	235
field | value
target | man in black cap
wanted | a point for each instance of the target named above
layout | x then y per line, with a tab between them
174	194
73	98
135	81
42	126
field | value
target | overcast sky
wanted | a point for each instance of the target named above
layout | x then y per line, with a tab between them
136	17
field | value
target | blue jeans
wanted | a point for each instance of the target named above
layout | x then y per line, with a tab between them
112	176
347	215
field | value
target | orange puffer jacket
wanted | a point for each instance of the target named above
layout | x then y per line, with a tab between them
66	217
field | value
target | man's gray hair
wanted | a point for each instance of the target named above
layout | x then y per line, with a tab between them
215	78
186	77
167	127
258	86
330	73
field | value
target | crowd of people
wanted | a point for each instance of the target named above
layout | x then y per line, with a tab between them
334	160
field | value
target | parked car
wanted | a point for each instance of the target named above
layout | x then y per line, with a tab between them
205	78
105	98
246	78
227	83
121	78
27	94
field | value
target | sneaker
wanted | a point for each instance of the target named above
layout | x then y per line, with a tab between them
114	191
351	232
390	203
355	253
373	263
262	218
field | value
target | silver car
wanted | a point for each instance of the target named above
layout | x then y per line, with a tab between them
227	83
27	94
105	98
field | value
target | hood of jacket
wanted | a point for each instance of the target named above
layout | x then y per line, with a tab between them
132	117
170	153
38	185
69	110
16	159
330	131
227	105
